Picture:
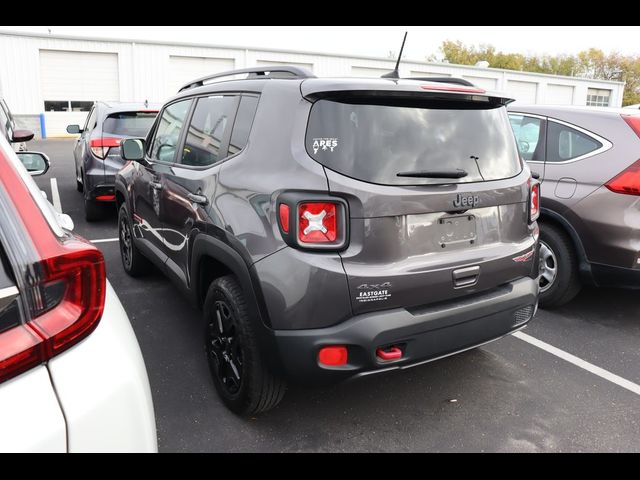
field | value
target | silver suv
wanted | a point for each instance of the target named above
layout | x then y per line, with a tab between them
587	159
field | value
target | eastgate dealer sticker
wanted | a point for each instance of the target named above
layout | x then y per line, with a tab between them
373	293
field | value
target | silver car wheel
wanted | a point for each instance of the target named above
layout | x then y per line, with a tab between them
548	267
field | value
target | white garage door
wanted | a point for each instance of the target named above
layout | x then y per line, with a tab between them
482	82
268	63
369	71
523	92
416	73
185	69
559	94
71	81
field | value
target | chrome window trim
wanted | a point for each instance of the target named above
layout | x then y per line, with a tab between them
606	144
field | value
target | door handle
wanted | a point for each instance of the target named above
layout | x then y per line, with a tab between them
199	199
466	277
156	185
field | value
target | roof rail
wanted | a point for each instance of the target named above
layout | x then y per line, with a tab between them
255	72
454	80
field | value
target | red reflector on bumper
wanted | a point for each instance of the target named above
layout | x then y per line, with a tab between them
333	356
106	198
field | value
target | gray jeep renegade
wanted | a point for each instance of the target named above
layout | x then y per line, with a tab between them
333	228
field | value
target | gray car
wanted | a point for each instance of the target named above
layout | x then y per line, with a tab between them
8	129
97	149
587	159
332	228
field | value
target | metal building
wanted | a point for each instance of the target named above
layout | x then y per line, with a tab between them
50	81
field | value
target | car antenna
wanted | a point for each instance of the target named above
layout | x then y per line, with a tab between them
395	73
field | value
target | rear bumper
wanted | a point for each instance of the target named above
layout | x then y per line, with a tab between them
101	178
423	334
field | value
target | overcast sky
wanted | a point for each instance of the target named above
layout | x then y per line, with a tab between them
376	41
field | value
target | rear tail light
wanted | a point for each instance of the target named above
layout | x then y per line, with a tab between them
534	202
284	217
313	222
627	181
634	122
100	146
317	222
65	299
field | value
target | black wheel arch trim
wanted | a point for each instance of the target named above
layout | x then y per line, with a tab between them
205	245
583	264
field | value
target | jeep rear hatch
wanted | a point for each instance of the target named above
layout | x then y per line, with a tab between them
437	235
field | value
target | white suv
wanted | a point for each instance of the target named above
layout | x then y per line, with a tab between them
72	377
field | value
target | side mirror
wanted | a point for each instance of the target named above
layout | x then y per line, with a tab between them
74	129
535	175
36	163
132	149
21	136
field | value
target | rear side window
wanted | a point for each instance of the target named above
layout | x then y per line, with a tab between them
242	125
530	133
168	131
133	124
566	143
206	133
375	142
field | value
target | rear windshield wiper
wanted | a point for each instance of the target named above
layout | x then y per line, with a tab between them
457	173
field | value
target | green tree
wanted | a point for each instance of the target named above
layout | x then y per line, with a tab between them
591	63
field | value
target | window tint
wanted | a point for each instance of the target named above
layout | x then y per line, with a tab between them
566	143
529	132
168	131
242	125
376	142
134	124
206	131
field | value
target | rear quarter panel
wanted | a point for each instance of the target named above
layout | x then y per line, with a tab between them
30	416
104	390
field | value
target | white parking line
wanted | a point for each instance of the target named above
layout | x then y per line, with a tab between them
104	240
589	367
55	195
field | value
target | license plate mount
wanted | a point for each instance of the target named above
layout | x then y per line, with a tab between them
457	231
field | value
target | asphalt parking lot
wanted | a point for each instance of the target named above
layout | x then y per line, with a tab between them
516	394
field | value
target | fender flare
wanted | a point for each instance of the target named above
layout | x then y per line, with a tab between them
206	245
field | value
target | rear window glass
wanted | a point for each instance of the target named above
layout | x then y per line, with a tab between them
376	142
134	124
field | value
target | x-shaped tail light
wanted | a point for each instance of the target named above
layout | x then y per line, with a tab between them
315	222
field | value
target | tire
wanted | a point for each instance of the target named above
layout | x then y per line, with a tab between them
241	377
134	263
93	210
556	251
